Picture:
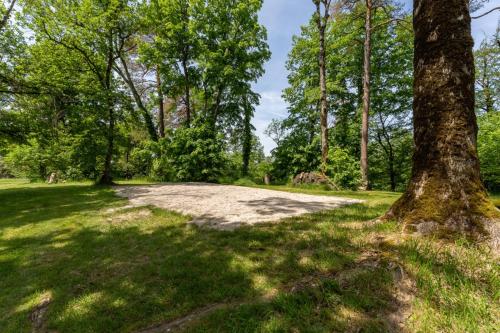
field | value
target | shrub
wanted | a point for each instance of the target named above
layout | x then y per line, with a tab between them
489	150
191	154
343	169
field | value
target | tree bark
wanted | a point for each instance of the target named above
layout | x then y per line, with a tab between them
445	195
322	24
161	106
365	185
187	92
106	178
247	139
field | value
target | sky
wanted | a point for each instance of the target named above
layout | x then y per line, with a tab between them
283	19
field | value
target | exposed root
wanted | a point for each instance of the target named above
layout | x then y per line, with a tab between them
37	316
180	323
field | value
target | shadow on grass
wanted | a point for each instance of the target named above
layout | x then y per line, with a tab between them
27	205
121	278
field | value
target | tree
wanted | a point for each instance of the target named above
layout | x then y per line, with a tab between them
247	137
365	185
445	194
321	18
175	46
161	104
390	143
128	59
488	74
5	13
97	33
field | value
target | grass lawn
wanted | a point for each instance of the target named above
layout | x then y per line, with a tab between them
70	264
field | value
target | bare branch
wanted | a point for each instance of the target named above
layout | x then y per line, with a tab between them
488	12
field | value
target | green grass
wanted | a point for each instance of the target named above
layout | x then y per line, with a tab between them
60	241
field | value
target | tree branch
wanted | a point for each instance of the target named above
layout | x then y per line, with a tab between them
484	14
6	16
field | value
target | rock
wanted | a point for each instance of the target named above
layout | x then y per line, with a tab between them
313	178
52	178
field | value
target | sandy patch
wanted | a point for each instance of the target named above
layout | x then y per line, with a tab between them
228	207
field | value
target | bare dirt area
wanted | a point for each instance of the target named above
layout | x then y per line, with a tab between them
228	207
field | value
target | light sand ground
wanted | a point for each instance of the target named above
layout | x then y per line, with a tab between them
228	207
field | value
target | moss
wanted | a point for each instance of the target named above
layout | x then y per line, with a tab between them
442	211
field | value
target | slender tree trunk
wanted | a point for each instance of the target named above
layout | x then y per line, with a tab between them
488	98
392	174
365	185
247	140
106	178
161	105
445	195
322	24
127	77
187	92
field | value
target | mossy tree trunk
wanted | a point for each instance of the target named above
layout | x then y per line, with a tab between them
445	195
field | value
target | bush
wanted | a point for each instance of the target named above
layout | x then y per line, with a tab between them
141	160
4	172
191	154
244	182
25	161
343	169
489	150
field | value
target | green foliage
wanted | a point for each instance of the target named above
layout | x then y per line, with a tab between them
487	59
191	154
391	84
489	149
244	182
23	161
343	169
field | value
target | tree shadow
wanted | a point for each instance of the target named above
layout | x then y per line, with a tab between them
122	278
21	206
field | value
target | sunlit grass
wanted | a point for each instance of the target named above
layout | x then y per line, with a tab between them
120	271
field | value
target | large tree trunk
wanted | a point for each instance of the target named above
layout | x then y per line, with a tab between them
445	195
161	105
322	23
365	185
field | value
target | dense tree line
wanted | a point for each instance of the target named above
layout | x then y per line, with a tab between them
388	81
162	89
390	104
104	89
